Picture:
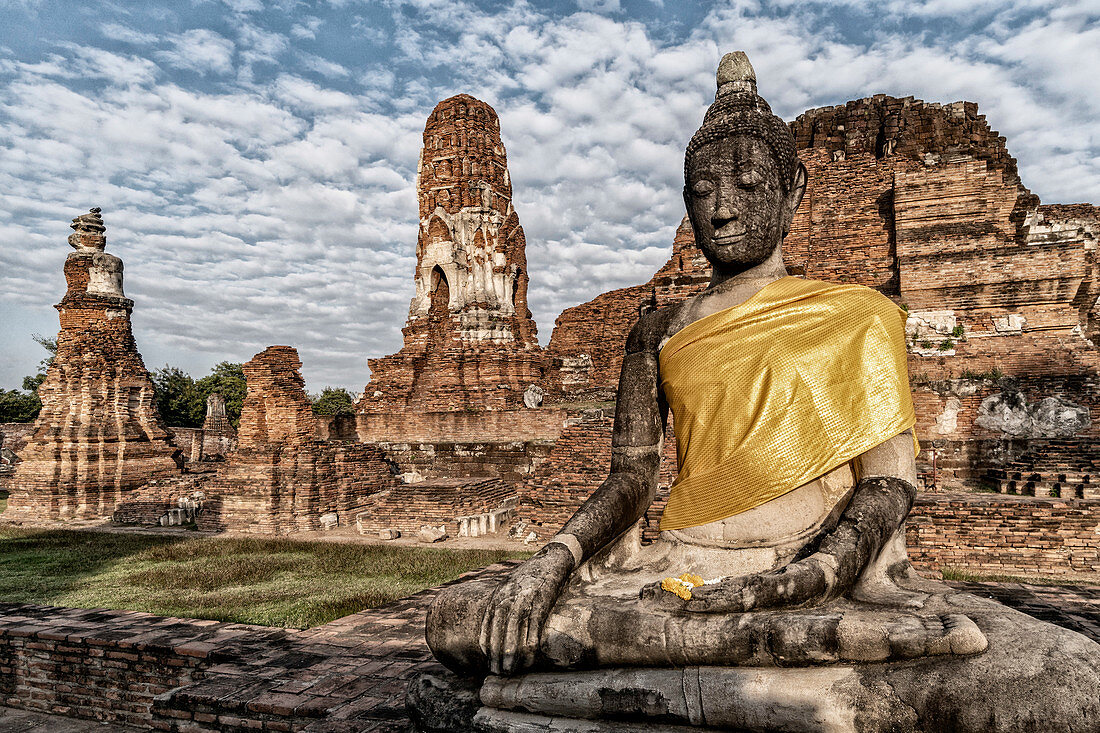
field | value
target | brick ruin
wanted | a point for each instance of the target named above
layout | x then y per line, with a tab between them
923	202
99	434
280	478
469	342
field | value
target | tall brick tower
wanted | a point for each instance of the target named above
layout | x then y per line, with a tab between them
99	433
469	340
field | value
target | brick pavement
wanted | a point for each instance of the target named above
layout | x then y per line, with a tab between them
25	721
348	676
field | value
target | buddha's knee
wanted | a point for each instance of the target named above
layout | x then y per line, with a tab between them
453	625
1033	677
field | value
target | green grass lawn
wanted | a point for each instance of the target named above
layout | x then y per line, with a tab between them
270	581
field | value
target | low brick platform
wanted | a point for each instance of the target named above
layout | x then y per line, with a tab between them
348	676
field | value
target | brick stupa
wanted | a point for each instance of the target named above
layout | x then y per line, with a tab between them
99	434
469	341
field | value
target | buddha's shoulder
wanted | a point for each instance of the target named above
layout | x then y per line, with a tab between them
652	328
848	295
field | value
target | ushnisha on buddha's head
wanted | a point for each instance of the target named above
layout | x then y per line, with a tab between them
742	179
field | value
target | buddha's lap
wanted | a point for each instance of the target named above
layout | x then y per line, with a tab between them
586	631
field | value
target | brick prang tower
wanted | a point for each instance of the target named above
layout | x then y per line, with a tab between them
470	341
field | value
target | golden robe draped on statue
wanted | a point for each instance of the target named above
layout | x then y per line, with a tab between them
776	391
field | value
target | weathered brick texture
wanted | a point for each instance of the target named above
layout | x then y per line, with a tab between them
470	340
99	434
434	502
1005	534
461	426
282	479
99	665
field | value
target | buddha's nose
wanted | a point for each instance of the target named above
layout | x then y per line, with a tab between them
726	212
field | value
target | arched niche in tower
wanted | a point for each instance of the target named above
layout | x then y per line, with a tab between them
438	231
441	294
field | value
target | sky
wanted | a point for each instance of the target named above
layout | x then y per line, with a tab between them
256	161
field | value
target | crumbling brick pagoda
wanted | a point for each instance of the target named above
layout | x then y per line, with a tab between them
281	478
99	434
469	341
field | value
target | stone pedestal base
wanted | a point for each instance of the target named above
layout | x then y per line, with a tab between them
1033	677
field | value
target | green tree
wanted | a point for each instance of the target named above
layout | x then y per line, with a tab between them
226	379
333	401
49	345
15	406
179	401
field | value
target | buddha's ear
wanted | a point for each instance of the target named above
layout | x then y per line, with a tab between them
794	197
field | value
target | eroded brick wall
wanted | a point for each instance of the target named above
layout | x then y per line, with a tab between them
513	461
433	502
282	479
90	664
461	426
1005	534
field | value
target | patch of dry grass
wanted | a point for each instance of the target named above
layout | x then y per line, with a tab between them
982	576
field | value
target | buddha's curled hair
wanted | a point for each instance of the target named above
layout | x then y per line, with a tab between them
739	110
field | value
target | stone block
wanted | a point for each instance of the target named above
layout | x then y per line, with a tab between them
429	534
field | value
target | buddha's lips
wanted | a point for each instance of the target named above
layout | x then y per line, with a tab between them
727	239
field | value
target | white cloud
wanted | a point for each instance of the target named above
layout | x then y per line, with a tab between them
323	66
119	32
306	27
199	50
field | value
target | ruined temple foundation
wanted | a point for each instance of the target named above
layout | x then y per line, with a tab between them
281	479
99	434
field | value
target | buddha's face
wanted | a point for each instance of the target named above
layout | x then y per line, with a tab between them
735	202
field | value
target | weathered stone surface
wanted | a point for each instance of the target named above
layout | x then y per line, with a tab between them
469	340
99	434
532	396
429	535
1011	413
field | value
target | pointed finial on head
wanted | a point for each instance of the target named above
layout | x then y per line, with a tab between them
735	74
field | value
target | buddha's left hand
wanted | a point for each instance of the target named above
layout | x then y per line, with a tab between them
876	511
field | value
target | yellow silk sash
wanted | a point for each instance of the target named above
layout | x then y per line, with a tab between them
779	390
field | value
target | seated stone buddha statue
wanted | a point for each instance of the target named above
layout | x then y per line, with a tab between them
779	595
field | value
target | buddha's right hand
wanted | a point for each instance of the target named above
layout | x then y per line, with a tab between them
512	626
